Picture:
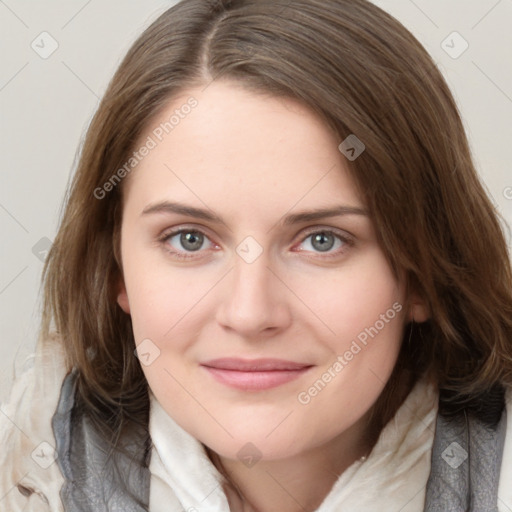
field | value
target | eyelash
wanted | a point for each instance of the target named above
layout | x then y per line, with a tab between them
164	238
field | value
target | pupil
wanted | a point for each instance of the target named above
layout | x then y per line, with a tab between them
192	241
323	241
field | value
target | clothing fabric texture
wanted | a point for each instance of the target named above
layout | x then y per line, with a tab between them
421	462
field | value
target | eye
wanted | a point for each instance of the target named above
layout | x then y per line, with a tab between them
326	241
183	241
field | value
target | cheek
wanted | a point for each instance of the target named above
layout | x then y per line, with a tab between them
362	314
160	296
347	301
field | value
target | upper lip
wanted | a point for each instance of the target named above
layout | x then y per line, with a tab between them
254	365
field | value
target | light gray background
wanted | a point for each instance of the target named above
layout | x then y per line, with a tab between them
46	105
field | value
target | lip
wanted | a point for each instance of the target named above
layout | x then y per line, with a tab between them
254	374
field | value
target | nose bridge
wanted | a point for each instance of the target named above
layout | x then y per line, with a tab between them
251	280
253	301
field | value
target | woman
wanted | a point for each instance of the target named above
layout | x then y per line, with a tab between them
278	283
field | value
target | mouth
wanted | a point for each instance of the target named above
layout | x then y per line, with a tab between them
255	374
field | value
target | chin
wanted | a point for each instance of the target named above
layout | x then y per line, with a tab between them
252	445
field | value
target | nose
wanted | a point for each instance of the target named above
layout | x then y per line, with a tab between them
254	302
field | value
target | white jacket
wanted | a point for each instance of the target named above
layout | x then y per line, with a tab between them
393	477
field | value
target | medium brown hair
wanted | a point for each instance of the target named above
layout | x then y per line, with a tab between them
364	74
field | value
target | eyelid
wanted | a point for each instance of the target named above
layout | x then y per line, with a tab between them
327	229
166	233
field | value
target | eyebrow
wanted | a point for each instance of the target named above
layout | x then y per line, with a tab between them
287	220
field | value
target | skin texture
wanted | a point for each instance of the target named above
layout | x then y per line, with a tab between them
252	159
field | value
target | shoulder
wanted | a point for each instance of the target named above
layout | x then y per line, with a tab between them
30	477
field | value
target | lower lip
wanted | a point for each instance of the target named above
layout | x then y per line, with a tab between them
255	381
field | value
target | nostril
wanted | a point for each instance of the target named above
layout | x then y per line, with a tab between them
25	491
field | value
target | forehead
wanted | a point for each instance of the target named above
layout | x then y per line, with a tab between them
230	147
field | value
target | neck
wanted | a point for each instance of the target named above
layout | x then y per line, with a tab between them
295	484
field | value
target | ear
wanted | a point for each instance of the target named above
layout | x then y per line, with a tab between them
122	296
418	309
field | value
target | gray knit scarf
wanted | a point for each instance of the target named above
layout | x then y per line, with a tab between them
464	477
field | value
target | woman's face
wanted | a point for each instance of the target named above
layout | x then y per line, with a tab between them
263	309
